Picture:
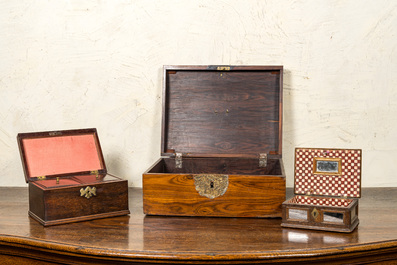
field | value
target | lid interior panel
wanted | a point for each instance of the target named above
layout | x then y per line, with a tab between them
342	179
222	112
55	155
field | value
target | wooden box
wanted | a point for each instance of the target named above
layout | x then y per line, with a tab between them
327	185
67	176
221	143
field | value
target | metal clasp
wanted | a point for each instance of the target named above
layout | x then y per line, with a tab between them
178	160
55	133
223	68
262	160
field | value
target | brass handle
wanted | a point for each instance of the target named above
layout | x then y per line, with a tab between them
88	192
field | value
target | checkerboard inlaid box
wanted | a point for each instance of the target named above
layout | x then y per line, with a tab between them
327	185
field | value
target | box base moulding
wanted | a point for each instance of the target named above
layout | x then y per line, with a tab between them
79	218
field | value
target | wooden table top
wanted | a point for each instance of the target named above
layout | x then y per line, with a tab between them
139	239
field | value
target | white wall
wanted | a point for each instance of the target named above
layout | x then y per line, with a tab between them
80	64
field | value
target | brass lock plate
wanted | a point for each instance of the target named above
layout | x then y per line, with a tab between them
211	185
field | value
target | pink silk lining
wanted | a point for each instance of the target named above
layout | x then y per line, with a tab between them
61	154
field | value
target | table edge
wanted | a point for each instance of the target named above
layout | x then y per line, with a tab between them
389	246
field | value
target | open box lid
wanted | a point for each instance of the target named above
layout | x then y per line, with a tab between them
328	172
57	153
222	111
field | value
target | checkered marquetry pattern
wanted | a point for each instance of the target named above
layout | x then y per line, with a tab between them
320	201
348	183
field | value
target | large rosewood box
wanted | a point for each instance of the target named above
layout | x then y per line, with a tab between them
67	176
327	184
221	143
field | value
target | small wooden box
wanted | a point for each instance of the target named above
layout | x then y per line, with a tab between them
221	143
67	176
327	184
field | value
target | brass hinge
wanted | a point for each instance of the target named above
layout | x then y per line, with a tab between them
96	173
41	177
262	160
178	160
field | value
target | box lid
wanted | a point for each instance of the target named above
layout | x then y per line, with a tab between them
225	111
330	172
57	153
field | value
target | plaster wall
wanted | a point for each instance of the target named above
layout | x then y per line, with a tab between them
70	64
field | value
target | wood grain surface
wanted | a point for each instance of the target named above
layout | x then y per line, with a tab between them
251	191
140	239
59	205
206	111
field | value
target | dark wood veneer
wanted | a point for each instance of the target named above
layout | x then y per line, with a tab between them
206	111
57	198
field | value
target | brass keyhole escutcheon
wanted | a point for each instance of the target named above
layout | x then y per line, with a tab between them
211	185
315	214
88	192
